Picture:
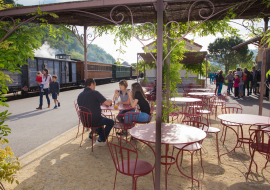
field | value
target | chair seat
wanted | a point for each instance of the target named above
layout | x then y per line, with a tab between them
203	111
195	106
210	129
191	147
173	114
230	123
266	129
124	126
261	147
216	104
142	167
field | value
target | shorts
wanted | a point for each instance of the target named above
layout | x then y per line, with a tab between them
54	95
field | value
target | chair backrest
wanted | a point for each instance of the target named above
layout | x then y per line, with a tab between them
128	118
85	116
261	141
122	156
77	108
232	108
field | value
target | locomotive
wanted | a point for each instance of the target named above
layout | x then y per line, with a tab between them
69	71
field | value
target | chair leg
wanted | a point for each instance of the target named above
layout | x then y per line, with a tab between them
266	161
201	160
92	134
224	135
78	129
249	169
82	137
153	178
217	145
192	167
115	179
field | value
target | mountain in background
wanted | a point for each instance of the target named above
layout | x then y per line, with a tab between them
72	46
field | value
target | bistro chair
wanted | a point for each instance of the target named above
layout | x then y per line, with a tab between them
126	161
174	115
109	114
217	101
126	121
261	144
191	148
86	119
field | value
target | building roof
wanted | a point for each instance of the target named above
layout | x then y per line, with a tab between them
256	41
99	11
187	40
190	57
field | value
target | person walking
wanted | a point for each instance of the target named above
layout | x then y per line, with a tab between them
220	82
217	83
248	79
46	80
211	77
236	87
229	78
254	81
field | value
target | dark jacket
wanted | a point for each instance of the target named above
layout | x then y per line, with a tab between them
257	75
220	78
54	87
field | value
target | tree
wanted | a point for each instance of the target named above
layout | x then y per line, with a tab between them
221	51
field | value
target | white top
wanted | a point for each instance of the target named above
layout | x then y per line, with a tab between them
185	99
46	81
170	133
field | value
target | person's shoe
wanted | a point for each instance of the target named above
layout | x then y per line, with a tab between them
235	97
39	108
55	107
58	104
100	143
48	105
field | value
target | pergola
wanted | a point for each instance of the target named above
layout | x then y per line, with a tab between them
117	12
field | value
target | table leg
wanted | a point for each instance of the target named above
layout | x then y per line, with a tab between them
166	169
236	140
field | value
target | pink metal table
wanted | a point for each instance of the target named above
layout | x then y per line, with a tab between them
242	119
201	94
120	107
185	99
171	134
200	89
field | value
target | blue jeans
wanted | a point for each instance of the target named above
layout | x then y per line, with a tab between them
220	88
230	85
46	92
253	85
109	125
211	80
241	89
142	117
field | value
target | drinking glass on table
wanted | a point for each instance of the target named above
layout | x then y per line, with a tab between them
116	102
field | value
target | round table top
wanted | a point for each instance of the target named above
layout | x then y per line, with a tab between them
245	119
201	93
185	99
200	89
120	107
170	133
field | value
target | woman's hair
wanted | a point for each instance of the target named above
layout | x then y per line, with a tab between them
237	75
220	72
123	83
238	68
136	87
46	70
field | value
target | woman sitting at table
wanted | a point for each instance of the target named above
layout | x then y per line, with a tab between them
123	93
137	97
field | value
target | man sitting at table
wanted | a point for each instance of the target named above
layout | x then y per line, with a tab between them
92	99
155	88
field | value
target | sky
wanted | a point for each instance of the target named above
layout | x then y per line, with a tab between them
134	46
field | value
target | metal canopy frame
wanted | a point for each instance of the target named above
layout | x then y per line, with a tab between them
176	11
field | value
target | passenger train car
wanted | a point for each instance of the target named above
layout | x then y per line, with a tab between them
69	72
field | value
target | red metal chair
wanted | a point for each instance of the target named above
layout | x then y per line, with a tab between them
109	114
129	121
78	114
191	148
152	107
260	143
126	161
86	119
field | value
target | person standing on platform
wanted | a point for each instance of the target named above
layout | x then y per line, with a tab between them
54	90
248	79
254	81
229	78
220	82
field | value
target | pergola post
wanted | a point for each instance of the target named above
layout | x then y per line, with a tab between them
206	71
266	19
137	69
85	73
159	91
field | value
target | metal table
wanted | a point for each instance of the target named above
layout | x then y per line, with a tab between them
228	120
171	134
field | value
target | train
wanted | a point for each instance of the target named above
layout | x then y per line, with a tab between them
69	71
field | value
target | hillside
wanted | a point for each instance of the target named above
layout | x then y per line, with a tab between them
72	46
